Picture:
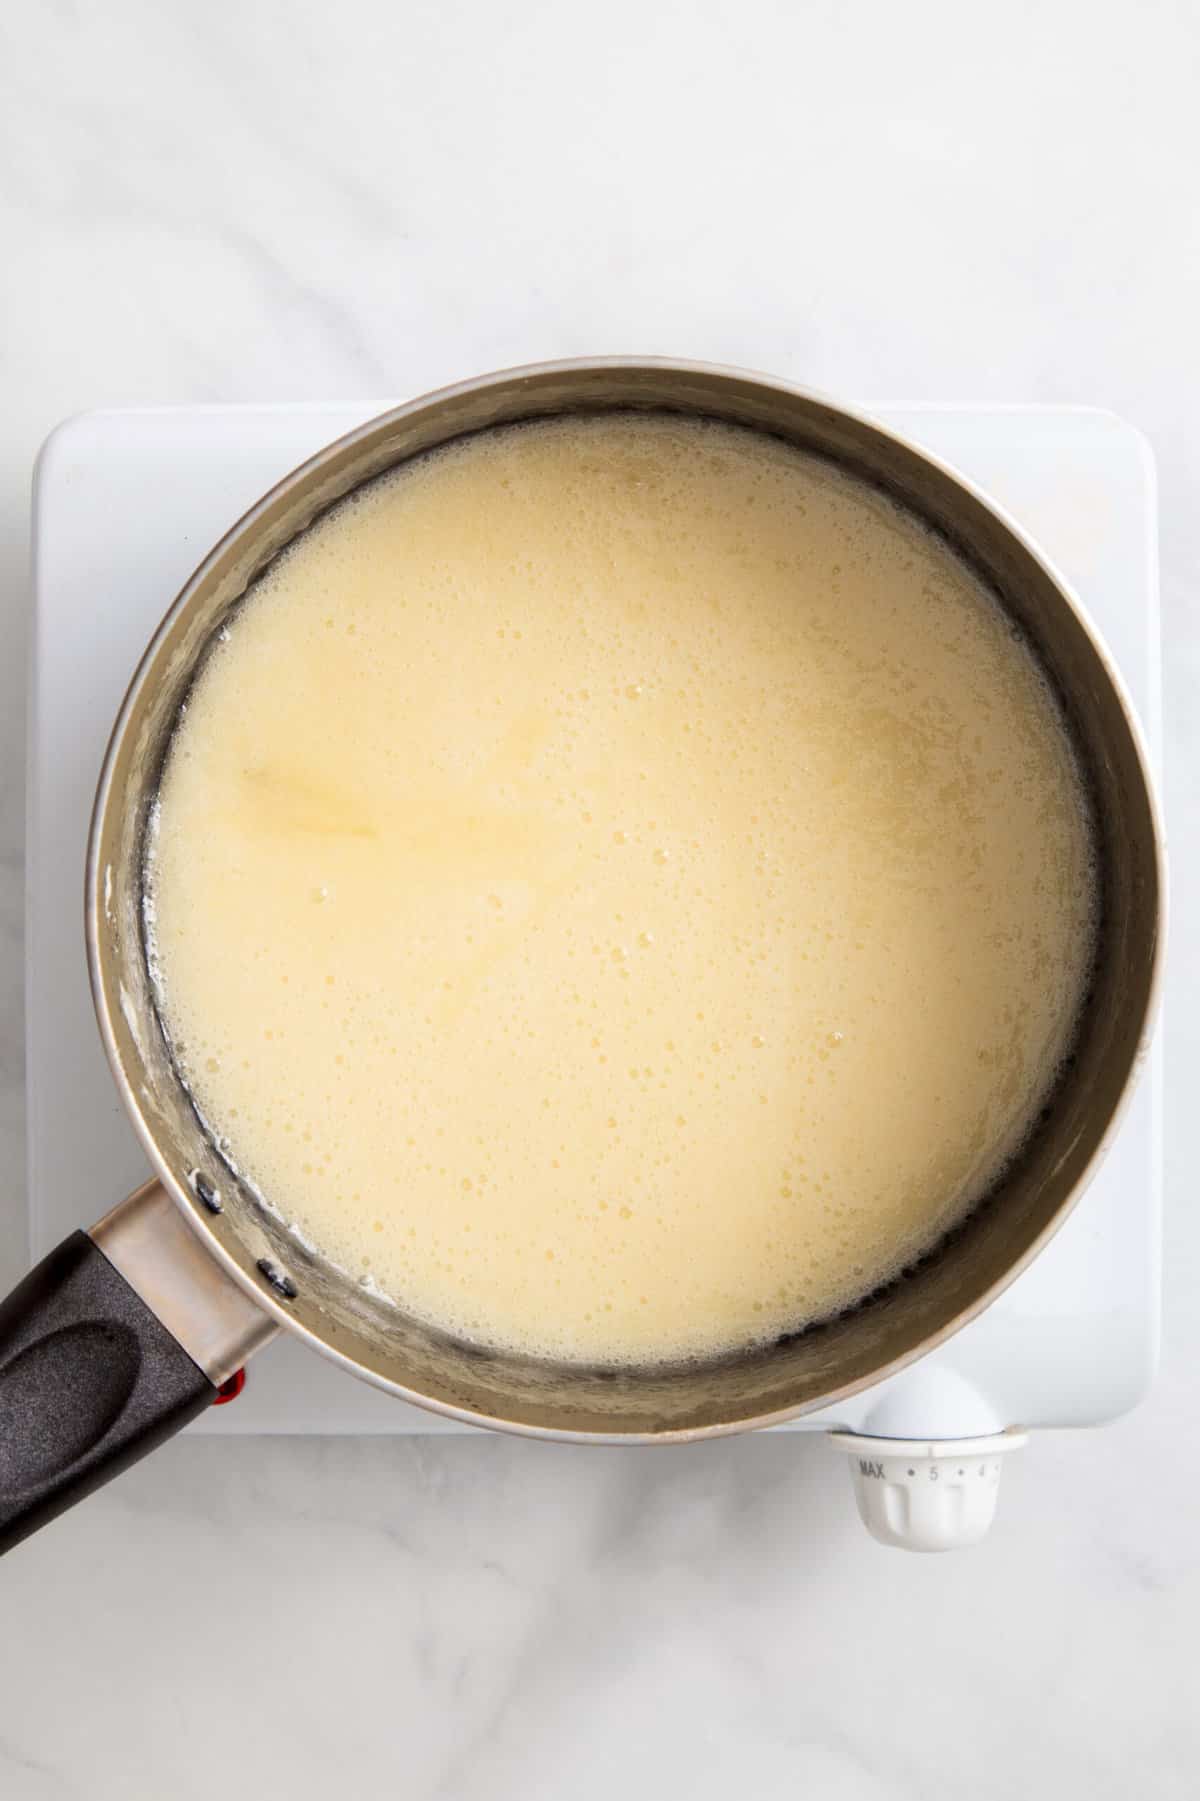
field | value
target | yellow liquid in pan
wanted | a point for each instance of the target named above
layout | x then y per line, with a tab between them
621	889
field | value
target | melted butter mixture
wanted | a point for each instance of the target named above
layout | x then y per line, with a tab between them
620	888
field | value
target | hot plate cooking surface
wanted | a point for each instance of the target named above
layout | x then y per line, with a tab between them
125	505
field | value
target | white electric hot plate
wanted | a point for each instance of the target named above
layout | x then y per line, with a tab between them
127	502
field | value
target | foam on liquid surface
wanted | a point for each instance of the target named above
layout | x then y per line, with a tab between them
620	888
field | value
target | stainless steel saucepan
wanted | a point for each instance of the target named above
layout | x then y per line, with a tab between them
125	1332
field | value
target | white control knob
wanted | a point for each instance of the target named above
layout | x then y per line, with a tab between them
927	1494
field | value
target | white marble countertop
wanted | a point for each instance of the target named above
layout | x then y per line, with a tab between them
918	203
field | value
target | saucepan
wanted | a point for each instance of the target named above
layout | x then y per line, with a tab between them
125	1332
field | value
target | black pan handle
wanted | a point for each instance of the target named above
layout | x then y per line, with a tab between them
90	1381
91	1378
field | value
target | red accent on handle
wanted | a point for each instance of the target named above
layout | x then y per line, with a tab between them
229	1391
